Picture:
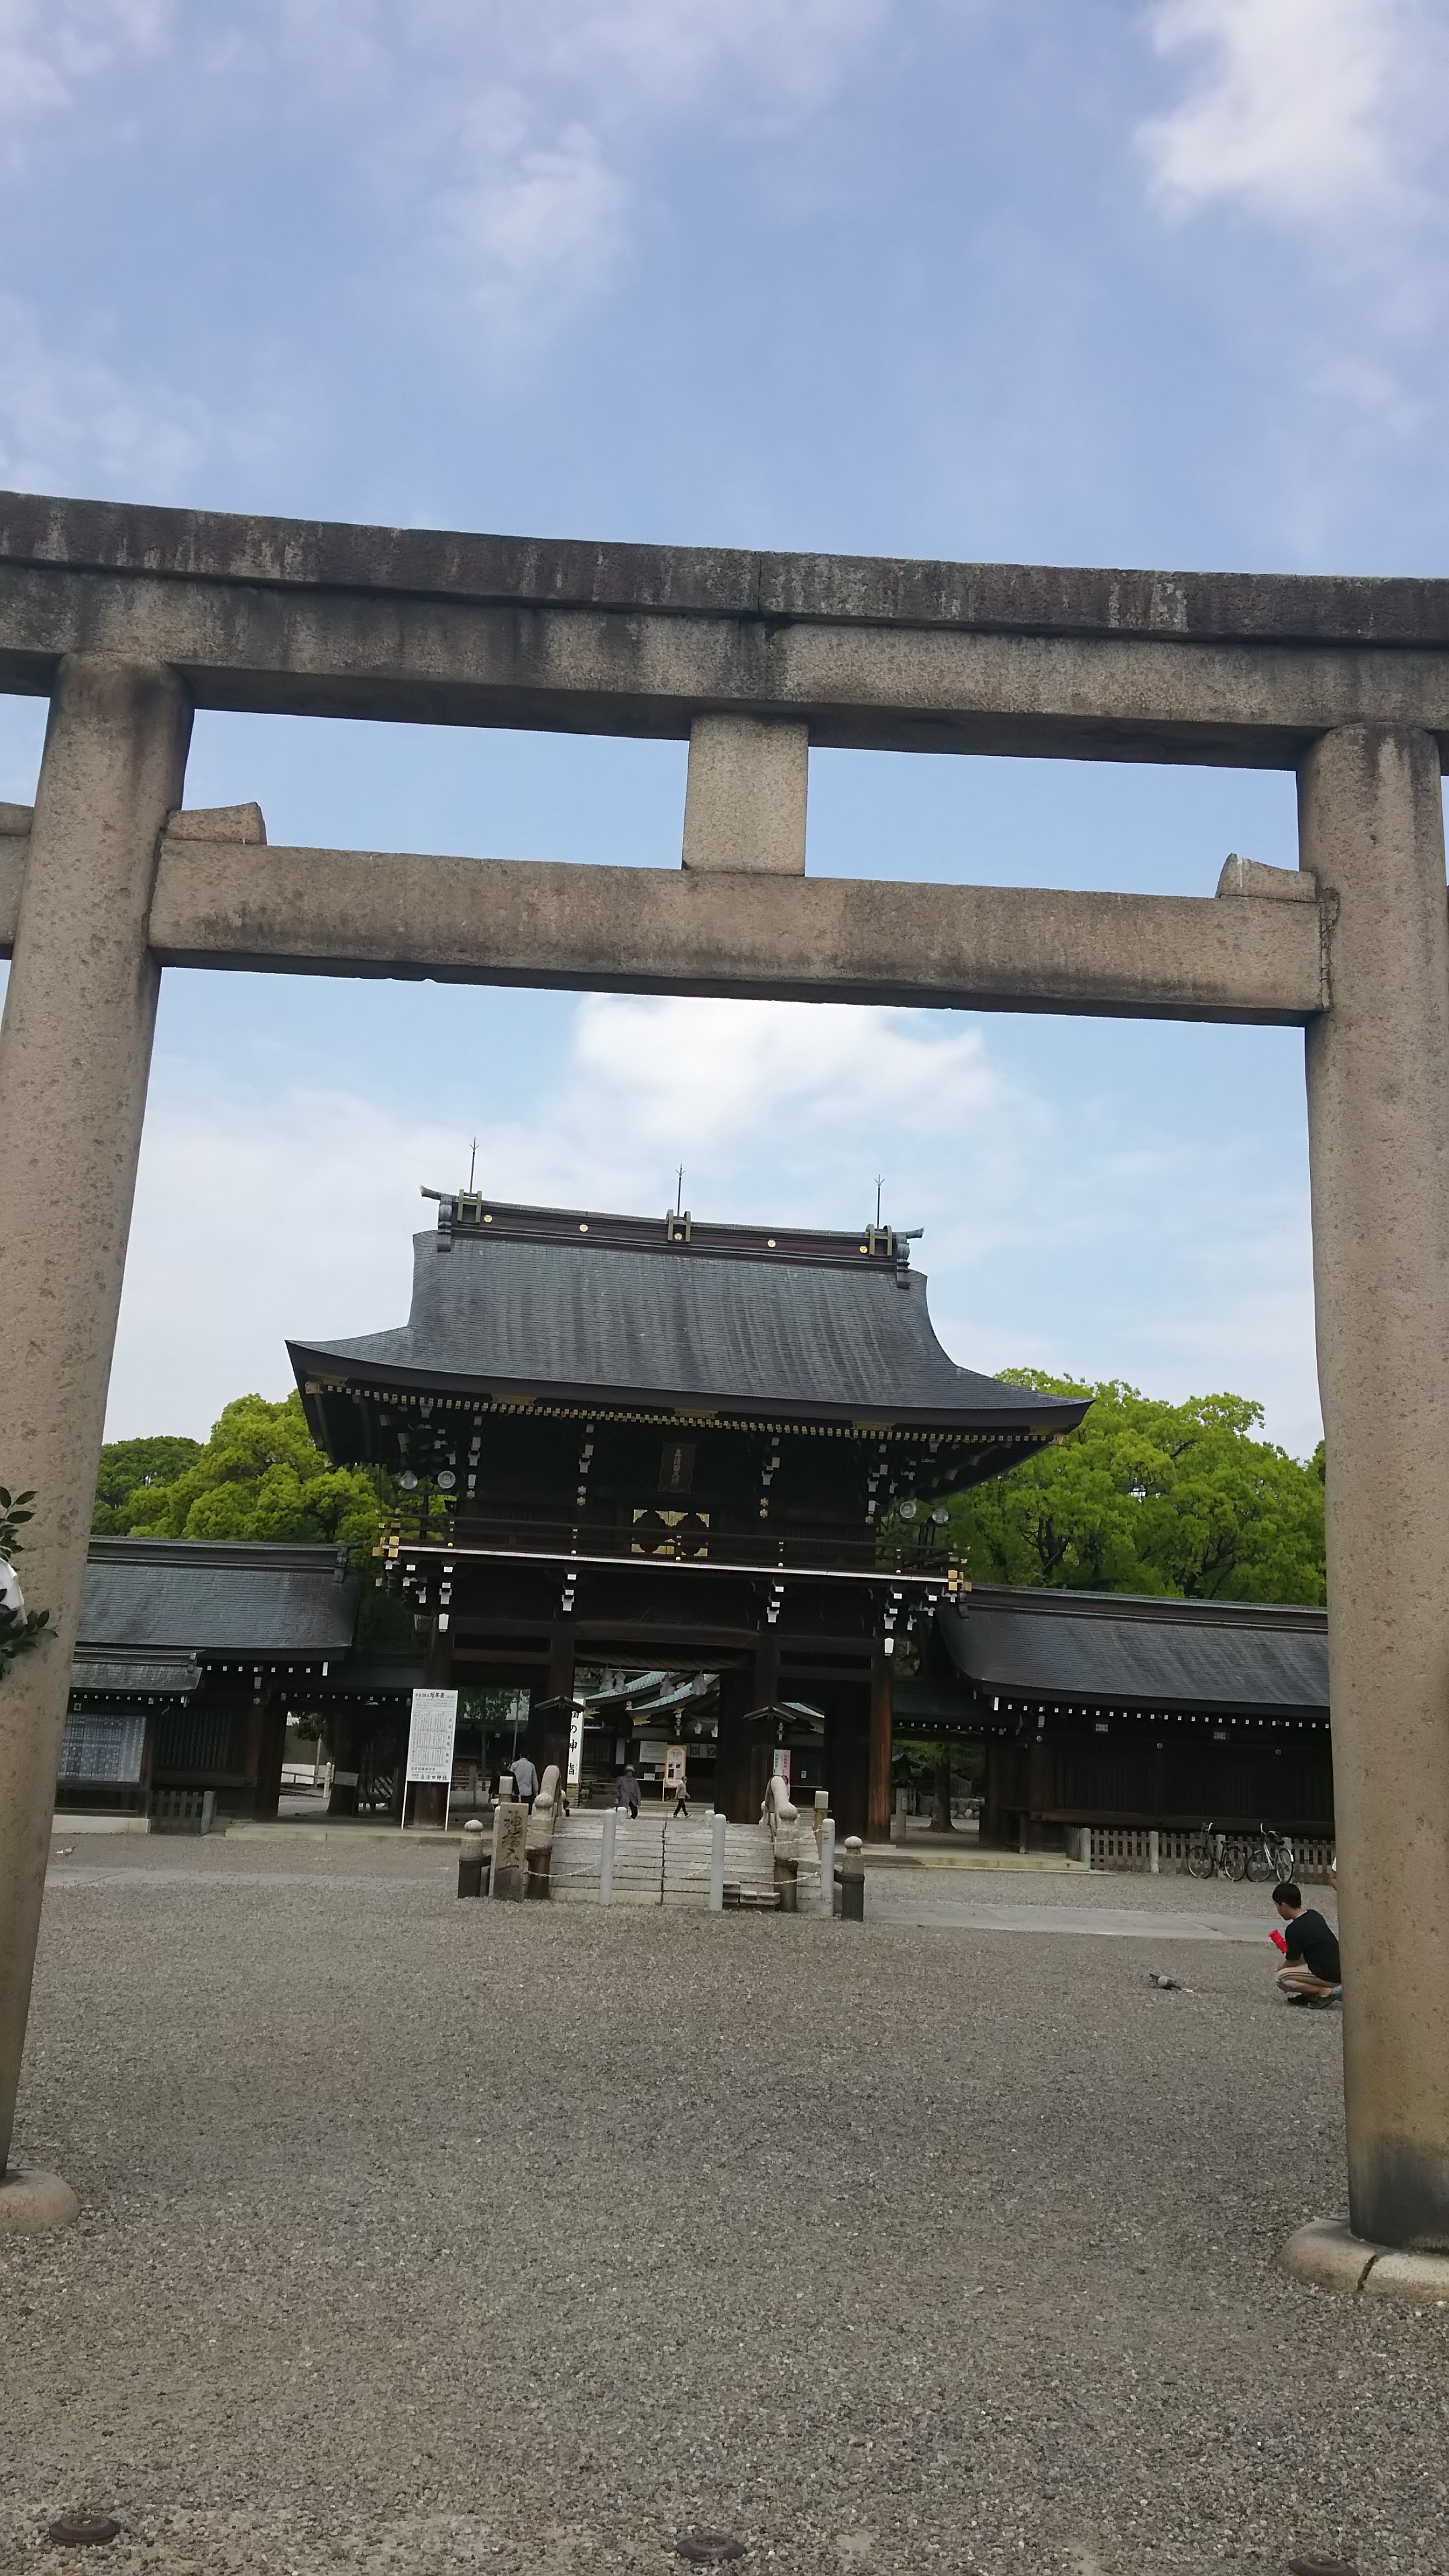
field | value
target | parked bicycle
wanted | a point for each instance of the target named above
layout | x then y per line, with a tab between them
1213	1853
1271	1855
1205	1852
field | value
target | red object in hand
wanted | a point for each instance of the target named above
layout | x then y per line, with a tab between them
1277	1939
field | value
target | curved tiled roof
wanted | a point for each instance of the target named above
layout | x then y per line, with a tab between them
805	1327
217	1597
1123	1650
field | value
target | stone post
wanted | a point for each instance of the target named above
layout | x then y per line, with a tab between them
75	1051
607	1843
1371	829
471	1858
718	1828
852	1880
509	1873
827	1867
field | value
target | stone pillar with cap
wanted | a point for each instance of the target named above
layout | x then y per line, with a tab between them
75	1055
1372	832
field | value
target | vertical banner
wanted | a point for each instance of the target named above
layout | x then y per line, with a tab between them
430	1744
575	1771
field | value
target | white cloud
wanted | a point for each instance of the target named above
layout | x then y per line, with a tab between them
1296	102
520	135
70	423
538	225
48	46
1050	1236
65	419
782	55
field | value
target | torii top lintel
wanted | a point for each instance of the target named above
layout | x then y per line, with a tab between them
414	625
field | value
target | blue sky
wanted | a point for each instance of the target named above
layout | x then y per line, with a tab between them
1096	281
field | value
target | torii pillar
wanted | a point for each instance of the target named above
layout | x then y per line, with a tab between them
75	1054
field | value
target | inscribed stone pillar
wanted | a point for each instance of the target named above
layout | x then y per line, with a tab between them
75	1051
1371	829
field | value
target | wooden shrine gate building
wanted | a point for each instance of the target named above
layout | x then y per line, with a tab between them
712	1447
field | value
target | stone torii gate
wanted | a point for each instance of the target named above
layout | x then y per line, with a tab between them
127	619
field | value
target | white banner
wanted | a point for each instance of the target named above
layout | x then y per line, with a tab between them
575	1771
430	1736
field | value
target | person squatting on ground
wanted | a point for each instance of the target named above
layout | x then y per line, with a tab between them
627	1792
1312	1972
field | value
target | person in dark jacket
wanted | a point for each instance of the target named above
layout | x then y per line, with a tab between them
1312	1972
626	1791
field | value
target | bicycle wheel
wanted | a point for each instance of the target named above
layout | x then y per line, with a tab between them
1285	1864
1233	1861
1201	1861
1259	1862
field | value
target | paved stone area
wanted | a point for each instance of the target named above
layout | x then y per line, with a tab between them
422	2236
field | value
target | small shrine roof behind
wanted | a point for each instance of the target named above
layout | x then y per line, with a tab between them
216	1597
1129	1649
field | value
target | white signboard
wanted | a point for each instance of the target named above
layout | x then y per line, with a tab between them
103	1747
430	1736
575	1770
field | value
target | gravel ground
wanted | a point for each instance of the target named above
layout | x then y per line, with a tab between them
426	2237
1172	1892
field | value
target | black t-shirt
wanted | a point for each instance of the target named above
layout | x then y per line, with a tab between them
1313	1943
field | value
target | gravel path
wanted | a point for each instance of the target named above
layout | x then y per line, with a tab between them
425	2237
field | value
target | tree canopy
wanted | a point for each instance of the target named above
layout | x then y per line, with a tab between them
259	1476
1186	1501
129	1469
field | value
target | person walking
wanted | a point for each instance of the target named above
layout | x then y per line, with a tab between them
1312	1972
525	1780
627	1791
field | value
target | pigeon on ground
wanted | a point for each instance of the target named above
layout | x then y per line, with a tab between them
1171	1985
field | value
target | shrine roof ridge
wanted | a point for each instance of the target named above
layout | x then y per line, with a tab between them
677	1233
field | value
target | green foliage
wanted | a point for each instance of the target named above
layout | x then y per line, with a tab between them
19	1629
259	1476
385	1623
130	1469
1181	1500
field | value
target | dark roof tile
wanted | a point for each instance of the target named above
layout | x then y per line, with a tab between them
1129	1651
589	1320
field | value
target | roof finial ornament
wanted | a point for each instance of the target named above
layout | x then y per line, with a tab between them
679	1196
472	1163
879	1186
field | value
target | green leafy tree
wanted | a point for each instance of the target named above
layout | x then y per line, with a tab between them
1183	1500
130	1469
260	1476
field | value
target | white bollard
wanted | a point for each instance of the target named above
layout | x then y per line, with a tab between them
606	1855
827	1865
1154	1853
717	1830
